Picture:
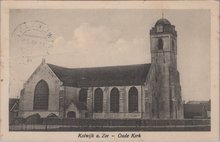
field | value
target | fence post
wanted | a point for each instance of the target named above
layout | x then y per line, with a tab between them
46	125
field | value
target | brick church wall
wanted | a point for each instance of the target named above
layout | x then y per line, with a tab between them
72	94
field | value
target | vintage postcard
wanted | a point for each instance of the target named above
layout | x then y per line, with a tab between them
110	71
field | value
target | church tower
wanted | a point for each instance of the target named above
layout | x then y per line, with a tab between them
167	101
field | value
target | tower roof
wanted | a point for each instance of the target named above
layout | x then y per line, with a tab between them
163	21
163	26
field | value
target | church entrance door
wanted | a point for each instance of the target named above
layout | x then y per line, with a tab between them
71	114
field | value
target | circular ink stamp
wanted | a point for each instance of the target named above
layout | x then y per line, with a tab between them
33	33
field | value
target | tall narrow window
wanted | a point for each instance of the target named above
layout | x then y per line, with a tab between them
160	44
114	100
83	95
173	46
98	100
133	100
41	96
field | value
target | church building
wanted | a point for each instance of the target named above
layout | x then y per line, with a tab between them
142	91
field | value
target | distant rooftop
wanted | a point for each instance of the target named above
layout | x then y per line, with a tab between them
197	102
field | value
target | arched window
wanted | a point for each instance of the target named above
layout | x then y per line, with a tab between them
133	100
41	96
98	100
160	44
114	100
83	95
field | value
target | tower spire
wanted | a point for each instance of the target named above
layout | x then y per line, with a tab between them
162	14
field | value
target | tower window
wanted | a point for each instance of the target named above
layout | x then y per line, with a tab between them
160	44
41	96
159	28
173	44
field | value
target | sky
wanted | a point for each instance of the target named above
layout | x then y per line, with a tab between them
94	38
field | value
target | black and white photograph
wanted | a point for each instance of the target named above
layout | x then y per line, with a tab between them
115	69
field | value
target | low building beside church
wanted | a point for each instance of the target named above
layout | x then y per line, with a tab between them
142	91
197	110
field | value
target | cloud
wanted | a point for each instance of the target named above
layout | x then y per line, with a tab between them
99	45
97	36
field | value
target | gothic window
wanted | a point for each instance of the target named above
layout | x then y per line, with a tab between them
114	100
98	100
41	96
133	100
160	44
83	95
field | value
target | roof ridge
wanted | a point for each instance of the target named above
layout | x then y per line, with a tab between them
99	66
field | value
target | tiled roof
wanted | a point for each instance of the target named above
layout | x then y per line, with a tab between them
102	76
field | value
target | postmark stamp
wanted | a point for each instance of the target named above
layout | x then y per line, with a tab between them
35	33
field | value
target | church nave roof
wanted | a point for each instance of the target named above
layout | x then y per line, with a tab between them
102	76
